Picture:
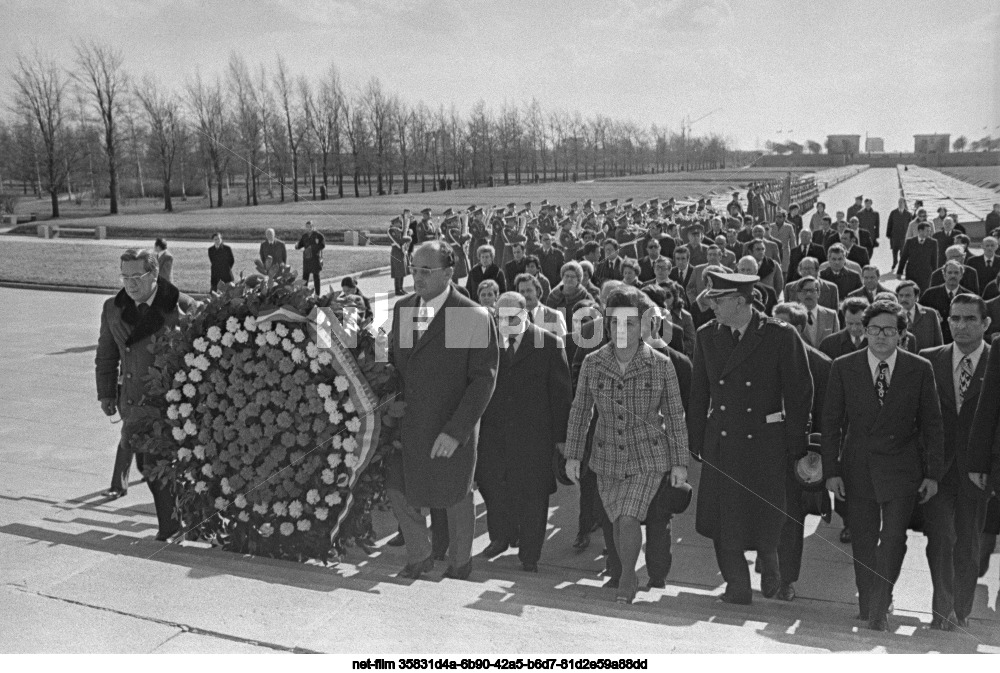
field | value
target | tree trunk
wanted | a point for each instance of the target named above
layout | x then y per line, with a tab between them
113	169
295	178
55	203
168	204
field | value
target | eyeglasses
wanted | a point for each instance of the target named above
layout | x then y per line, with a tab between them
426	271
875	330
134	279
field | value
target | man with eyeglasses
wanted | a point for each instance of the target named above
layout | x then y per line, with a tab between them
882	450
647	264
829	295
940	297
145	308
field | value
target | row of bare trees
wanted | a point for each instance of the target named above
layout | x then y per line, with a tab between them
93	128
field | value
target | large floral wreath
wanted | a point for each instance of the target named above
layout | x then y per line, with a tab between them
271	434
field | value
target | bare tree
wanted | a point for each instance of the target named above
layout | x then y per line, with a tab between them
164	121
41	87
402	117
248	121
377	108
960	143
209	106
101	73
357	135
295	126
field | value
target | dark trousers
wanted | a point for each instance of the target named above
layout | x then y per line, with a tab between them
163	500
895	256
590	503
736	572
314	274
842	509
792	531
461	525
516	516
123	466
658	557
953	521
397	284
878	541
440	540
219	277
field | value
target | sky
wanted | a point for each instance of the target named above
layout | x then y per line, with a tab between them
749	70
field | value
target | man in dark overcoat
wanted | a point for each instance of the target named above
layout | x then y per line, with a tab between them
895	230
448	371
919	257
399	265
522	428
220	256
751	397
311	244
144	308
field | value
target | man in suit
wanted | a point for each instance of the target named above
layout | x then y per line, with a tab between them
986	265
826	235
698	251
312	243
939	297
220	256
855	253
682	271
647	263
805	248
748	417
698	278
165	260
820	322
870	285
448	371
771	249
790	545
868	220
609	268
953	519
921	217
515	267
728	256
945	237
764	296
993	219
537	313
522	428
895	230
861	236
783	234
970	278
551	260
856	208
846	280
882	448
922	322
272	250
852	337
145	308
829	295
769	269
919	257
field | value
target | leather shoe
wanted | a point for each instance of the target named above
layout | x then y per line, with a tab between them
845	535
786	592
879	623
164	536
962	622
529	567
396	540
515	543
460	573
734	599
656	583
494	548
769	586
582	541
944	624
115	493
413	571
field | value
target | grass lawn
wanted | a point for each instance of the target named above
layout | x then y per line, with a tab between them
98	265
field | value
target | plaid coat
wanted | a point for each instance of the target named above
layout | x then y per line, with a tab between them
640	422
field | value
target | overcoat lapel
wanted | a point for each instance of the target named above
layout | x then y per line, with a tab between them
436	327
942	372
752	338
526	346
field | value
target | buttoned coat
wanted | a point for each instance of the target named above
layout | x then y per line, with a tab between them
447	379
748	417
985	274
918	260
222	262
895	229
984	441
882	453
926	326
312	244
399	265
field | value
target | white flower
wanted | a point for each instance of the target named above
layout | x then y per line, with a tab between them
354	425
232	324
185	409
200	344
242	336
312	497
260	508
261	339
281	330
190	427
189	361
200	487
324	391
325	358
183	454
350	445
215	351
273	339
328	477
287	345
199	452
227	340
333	459
214	333
221	503
338	441
321	513
206	470
265	326
295	509
240	501
266	530
226	488
333	499
298	356
341	383
202	363
349	406
279	508
250	324
243	516
335	417
189	390
195	374
298	335
174	395
179	434
329	405
172	412
181	377
311	350
351	461
303	525
287	528
314	366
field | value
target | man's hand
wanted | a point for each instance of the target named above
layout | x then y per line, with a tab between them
927	490
573	470
678	475
108	406
836	485
979	479
444	446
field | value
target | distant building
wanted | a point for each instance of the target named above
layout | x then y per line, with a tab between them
874	145
843	144
931	143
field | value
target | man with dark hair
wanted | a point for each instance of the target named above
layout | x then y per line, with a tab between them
868	221
923	322
829	294
969	279
882	447
647	263
551	260
895	230
820	321
697	250
805	248
940	297
221	258
856	207
953	519
609	268
870	285
846	280
165	260
854	252
515	267
312	244
852	337
919	257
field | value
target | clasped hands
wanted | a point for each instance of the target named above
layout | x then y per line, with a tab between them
678	473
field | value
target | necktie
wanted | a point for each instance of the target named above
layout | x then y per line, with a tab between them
511	340
964	379
531	316
882	382
736	338
142	308
810	318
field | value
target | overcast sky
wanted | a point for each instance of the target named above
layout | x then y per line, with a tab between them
805	68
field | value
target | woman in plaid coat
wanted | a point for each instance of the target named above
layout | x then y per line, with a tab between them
641	433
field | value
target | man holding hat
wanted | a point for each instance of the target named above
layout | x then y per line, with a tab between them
748	420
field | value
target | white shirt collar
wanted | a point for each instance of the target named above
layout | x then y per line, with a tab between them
957	355
873	363
437	302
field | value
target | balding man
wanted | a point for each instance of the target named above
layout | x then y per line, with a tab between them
272	250
986	265
829	294
970	277
764	296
